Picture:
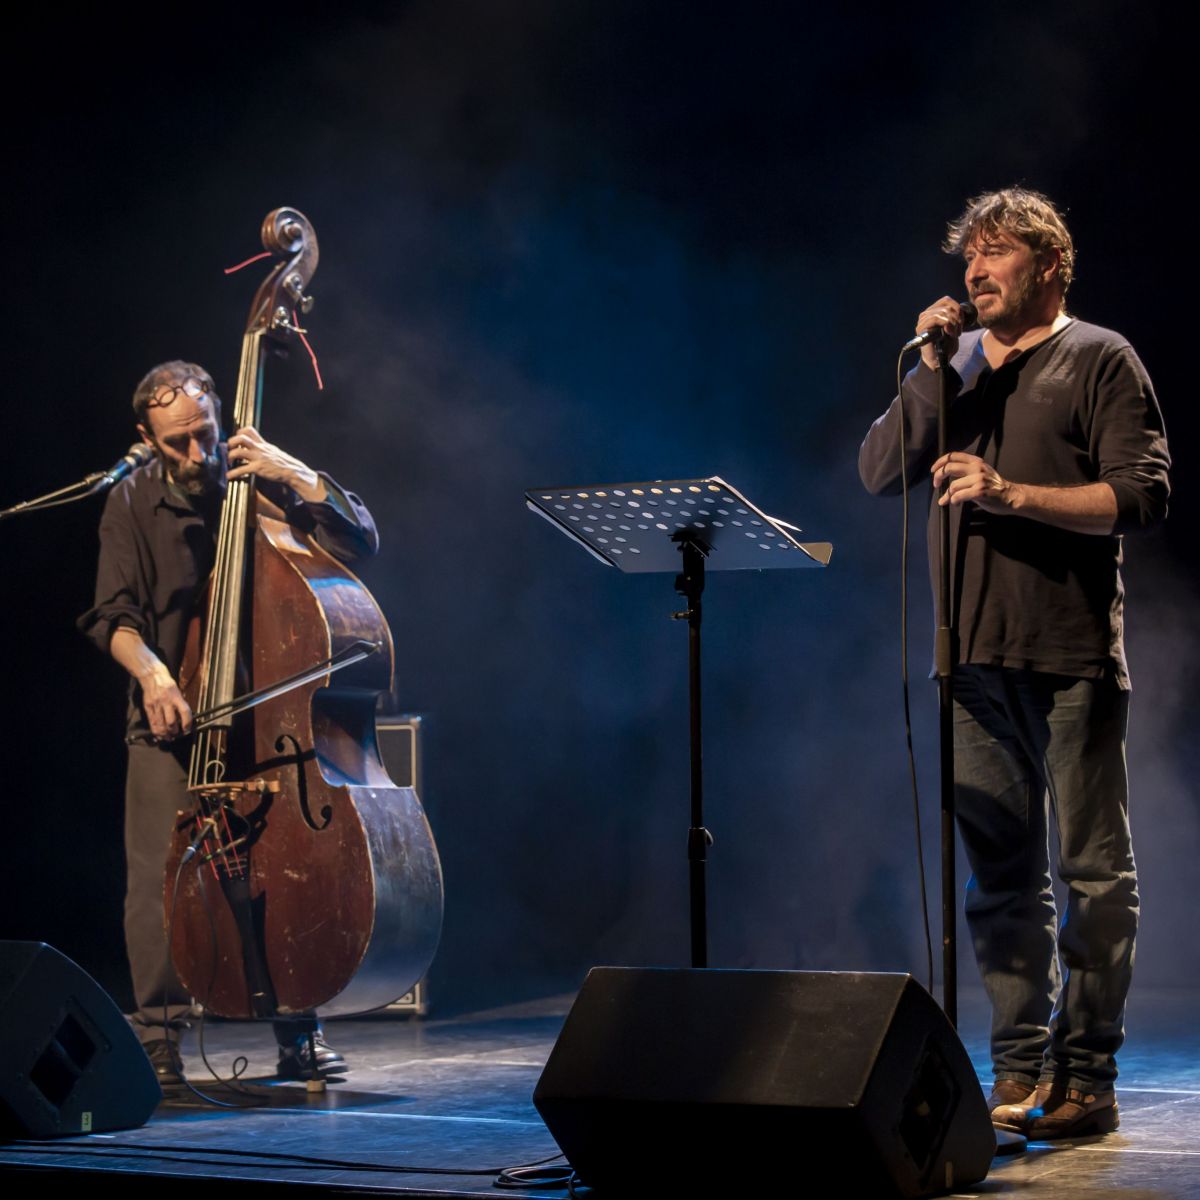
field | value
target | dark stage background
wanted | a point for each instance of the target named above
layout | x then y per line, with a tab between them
566	243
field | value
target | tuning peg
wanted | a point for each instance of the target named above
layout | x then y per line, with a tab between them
306	304
282	320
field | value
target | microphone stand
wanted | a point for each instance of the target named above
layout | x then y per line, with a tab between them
944	654
89	485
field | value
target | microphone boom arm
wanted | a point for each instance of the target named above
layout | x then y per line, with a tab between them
98	481
85	487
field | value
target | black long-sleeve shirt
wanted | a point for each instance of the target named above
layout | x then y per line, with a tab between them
1077	408
157	547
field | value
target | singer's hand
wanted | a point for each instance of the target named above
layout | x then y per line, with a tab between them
946	313
251	454
970	478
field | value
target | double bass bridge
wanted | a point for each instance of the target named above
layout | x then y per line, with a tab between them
226	820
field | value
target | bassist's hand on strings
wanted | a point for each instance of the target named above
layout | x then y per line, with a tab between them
167	712
251	454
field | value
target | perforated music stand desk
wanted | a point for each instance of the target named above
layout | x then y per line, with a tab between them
664	525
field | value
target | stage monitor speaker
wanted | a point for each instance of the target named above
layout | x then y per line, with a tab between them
683	1082
69	1061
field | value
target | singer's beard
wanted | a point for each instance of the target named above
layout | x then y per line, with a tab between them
196	479
1013	305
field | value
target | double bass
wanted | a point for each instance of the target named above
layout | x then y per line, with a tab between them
301	876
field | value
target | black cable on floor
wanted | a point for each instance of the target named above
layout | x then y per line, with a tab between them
167	1152
240	1063
537	1177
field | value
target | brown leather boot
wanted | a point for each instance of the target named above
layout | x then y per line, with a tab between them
1069	1113
1010	1102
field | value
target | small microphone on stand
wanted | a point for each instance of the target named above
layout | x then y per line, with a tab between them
137	456
970	318
90	485
206	827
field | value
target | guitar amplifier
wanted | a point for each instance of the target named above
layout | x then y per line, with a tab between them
399	736
400	746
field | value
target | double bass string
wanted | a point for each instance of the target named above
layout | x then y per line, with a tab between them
208	766
209	751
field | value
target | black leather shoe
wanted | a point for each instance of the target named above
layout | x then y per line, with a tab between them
296	1063
165	1059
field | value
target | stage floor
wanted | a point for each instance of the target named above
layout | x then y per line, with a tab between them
454	1095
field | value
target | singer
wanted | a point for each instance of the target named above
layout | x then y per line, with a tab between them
1057	449
157	537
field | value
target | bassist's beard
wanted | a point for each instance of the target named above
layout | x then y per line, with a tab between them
197	479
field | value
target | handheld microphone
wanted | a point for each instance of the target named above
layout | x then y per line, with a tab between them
970	318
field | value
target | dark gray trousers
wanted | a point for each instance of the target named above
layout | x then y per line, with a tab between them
1030	748
155	790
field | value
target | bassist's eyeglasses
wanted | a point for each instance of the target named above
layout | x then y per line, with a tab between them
169	393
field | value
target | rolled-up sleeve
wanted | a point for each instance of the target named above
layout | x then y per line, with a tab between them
118	599
1129	442
341	523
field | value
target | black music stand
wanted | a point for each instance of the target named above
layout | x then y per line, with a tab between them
645	527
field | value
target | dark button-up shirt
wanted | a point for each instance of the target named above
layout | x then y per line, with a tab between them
157	546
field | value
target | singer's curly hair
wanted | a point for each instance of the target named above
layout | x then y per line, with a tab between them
175	371
1025	214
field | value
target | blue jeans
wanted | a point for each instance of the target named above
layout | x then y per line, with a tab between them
1027	744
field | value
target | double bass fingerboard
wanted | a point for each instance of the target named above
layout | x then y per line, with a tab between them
209	751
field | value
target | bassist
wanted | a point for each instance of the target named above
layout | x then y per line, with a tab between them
157	539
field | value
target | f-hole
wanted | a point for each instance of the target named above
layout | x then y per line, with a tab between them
288	742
